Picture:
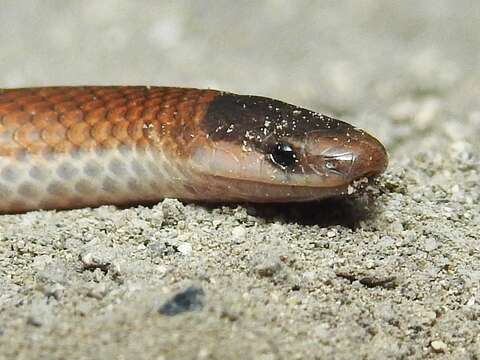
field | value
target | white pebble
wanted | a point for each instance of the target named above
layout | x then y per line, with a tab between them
439	346
239	233
331	233
185	249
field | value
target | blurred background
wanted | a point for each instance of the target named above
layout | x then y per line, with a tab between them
387	66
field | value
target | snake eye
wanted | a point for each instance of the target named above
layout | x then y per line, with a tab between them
283	155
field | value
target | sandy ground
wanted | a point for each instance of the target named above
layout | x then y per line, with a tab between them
397	277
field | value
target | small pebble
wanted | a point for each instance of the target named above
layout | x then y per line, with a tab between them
268	267
184	249
173	211
387	241
157	247
238	234
331	233
32	320
439	346
98	291
427	112
92	261
430	244
189	299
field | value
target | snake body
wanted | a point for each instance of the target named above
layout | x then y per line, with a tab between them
71	147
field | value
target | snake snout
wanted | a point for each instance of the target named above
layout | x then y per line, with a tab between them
347	155
371	158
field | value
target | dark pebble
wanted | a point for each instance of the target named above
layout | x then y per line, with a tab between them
189	299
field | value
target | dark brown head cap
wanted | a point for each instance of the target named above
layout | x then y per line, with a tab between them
232	117
300	141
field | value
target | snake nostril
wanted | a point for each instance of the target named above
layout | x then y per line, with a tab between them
329	164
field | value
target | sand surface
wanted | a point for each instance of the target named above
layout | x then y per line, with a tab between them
396	277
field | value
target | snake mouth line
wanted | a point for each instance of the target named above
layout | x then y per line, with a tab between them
241	190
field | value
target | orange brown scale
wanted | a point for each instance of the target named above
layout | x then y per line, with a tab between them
66	117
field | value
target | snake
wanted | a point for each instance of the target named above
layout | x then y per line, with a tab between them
66	147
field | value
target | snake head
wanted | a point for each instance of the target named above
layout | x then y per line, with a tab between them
265	150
